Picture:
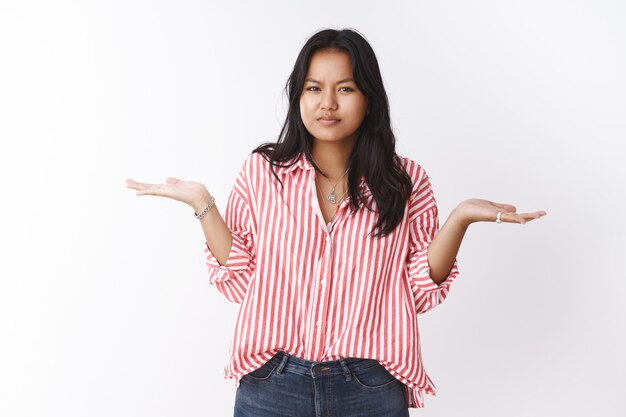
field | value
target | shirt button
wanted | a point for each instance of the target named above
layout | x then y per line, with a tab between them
319	323
323	282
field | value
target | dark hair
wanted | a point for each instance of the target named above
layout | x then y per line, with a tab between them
374	154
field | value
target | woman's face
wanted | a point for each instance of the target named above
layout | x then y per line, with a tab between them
331	106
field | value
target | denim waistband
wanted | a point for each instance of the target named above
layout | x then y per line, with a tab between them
294	364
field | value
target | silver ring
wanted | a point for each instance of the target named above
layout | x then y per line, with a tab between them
498	217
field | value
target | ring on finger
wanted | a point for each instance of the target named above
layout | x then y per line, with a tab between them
498	217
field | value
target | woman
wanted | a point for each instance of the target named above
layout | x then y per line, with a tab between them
330	244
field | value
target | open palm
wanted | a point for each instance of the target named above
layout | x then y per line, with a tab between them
189	192
478	210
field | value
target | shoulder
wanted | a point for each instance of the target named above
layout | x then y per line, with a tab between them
255	172
422	197
253	164
416	172
254	159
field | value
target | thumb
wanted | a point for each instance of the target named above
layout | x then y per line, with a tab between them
172	180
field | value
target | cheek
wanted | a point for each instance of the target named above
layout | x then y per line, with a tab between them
360	109
358	105
305	110
364	105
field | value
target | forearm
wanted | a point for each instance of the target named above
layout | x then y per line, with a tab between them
444	247
218	236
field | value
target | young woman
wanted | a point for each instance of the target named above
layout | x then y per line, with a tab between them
331	245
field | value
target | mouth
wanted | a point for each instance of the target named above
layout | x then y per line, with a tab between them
327	121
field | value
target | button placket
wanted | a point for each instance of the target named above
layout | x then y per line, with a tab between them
324	293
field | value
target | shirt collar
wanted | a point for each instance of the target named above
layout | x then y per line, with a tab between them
302	163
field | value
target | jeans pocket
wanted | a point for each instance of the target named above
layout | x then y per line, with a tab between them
264	372
374	377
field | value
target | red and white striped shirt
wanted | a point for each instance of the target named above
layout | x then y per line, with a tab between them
322	291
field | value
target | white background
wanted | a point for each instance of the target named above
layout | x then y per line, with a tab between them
105	305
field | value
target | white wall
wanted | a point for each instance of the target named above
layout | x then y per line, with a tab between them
105	308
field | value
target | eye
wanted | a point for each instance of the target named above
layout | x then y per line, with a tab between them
312	89
345	89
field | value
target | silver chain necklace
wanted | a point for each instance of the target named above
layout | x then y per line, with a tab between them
332	197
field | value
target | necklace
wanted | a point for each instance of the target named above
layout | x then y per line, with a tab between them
332	197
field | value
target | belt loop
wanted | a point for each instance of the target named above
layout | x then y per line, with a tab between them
280	367
346	370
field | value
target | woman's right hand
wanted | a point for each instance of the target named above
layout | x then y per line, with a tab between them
192	193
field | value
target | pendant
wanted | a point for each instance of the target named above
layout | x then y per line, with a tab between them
332	197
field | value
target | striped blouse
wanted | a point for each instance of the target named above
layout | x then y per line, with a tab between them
322	291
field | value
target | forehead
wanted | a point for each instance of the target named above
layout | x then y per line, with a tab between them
329	64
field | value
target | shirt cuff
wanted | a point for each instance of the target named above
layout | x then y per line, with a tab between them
421	272
238	260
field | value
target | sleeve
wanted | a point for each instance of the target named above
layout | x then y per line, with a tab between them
423	225
232	278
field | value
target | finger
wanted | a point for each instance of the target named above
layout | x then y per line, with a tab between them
172	180
152	189
137	185
141	186
532	216
133	185
512	218
521	218
508	208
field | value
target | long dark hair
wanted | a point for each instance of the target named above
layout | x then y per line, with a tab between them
374	154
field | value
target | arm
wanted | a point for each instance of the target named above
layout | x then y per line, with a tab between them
444	247
230	250
427	292
431	259
229	242
218	236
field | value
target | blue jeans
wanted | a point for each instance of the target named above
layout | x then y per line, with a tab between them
288	386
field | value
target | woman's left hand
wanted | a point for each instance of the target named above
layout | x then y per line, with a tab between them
478	210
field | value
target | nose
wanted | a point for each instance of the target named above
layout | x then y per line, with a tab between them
328	100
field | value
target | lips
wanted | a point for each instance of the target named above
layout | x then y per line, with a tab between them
327	121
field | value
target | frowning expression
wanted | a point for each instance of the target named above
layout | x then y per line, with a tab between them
331	105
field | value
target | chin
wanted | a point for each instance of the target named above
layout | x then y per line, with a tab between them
328	140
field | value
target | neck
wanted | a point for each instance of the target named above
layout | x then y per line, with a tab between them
332	158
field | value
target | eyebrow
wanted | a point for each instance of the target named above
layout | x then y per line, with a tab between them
345	80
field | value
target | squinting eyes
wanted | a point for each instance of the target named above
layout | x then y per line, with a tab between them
342	89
